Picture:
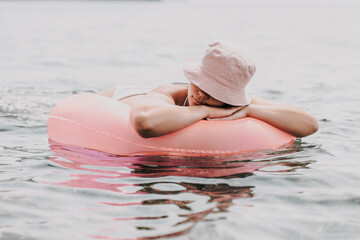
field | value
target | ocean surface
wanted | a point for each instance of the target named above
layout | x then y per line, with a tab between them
307	54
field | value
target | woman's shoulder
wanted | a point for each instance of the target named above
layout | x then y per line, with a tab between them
177	92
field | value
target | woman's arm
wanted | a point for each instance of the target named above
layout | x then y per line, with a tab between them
294	120
152	117
291	119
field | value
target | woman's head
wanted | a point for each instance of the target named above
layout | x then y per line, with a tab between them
196	96
223	73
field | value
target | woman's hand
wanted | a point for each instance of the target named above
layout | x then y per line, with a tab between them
227	113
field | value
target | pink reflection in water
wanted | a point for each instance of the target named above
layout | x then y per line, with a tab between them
98	170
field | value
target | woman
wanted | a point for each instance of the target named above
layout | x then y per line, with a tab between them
216	92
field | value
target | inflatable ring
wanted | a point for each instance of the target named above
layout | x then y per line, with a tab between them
101	123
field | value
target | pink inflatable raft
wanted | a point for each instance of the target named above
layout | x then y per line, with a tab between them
100	123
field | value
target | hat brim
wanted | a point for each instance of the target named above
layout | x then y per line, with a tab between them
228	95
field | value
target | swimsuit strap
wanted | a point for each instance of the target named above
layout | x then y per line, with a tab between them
185	101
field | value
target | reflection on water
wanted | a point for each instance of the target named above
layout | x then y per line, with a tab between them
166	195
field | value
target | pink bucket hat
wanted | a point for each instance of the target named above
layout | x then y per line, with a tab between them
223	73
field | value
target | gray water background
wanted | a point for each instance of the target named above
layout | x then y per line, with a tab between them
307	54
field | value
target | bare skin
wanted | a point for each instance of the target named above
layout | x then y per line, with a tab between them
161	111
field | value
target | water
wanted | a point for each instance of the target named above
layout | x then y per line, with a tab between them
307	54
